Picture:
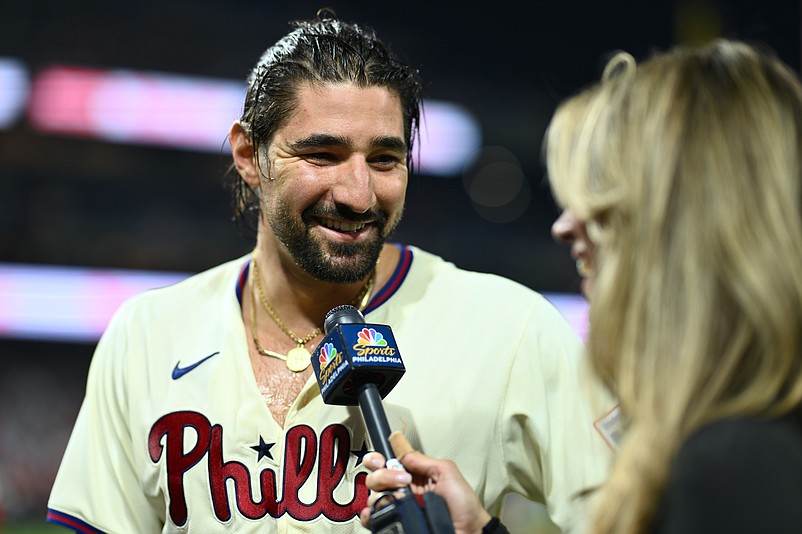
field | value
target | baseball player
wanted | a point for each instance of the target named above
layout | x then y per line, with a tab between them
201	411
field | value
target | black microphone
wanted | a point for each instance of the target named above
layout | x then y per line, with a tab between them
359	363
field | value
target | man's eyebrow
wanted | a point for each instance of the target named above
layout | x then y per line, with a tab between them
390	142
320	140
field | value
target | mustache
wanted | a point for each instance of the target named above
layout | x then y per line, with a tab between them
344	212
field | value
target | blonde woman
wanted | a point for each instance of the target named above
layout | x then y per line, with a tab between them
687	171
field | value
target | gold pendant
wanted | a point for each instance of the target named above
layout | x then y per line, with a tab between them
298	359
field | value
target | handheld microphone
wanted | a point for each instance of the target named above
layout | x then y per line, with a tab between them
359	363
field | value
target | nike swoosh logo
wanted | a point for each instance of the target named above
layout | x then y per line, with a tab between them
179	371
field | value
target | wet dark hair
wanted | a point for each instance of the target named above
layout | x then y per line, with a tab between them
319	51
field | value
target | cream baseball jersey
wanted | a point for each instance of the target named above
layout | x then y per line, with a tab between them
174	436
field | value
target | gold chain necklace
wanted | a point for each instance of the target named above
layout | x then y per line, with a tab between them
298	358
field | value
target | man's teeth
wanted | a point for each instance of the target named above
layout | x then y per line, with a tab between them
342	226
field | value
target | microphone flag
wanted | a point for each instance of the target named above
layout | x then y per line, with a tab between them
352	355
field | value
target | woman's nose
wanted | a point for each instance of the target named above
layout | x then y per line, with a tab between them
563	229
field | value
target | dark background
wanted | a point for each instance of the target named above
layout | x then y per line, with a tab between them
72	201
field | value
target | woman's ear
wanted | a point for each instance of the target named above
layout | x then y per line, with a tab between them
242	152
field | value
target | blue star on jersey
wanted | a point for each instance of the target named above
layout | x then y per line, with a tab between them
360	454
263	449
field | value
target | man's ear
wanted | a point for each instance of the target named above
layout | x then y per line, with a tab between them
243	154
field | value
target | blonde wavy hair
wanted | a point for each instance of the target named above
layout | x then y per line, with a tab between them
687	170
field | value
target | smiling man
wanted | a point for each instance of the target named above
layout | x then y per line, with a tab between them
336	176
201	412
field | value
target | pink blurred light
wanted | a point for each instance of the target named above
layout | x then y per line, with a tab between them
59	100
67	303
135	107
196	113
76	304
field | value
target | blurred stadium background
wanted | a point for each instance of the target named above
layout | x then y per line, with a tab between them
113	123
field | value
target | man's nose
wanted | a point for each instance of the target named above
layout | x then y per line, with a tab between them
355	187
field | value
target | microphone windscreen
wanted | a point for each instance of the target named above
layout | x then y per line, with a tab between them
343	314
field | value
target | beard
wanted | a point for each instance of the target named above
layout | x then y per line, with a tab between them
337	263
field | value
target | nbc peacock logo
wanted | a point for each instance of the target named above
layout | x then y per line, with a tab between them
370	342
327	355
369	337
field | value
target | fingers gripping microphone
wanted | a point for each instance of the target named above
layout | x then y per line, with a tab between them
358	364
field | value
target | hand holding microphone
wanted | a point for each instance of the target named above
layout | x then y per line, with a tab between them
359	363
425	474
